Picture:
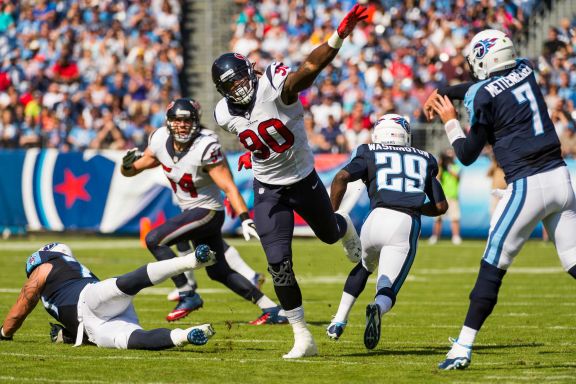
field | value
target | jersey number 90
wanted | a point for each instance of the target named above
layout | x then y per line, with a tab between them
400	173
261	145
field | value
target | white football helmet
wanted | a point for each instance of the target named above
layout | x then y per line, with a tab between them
58	247
392	129
490	51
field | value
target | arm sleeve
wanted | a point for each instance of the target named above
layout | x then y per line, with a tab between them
434	189
358	166
455	92
467	150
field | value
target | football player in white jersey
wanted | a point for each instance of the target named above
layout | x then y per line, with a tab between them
193	163
267	116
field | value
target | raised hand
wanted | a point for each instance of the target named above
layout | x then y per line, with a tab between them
428	108
444	108
356	14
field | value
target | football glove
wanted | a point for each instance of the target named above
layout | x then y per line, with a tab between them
356	14
59	334
245	160
248	227
130	157
2	337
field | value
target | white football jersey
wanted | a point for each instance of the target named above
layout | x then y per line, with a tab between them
191	184
273	131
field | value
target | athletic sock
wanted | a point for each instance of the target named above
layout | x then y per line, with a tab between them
346	303
384	303
467	336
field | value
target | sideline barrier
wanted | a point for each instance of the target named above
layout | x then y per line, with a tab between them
84	191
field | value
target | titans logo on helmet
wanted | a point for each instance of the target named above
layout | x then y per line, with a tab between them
483	46
401	121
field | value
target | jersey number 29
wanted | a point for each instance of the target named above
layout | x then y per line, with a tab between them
400	173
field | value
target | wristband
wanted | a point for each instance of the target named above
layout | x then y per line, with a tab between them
454	131
335	41
244	216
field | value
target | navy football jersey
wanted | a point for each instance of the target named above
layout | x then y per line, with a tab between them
513	113
396	177
63	285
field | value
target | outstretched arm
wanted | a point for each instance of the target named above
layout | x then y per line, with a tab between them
26	302
320	57
134	162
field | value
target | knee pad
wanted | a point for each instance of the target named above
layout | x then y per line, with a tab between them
387	291
152	239
282	274
487	284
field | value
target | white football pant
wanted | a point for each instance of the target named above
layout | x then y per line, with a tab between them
546	197
108	314
389	239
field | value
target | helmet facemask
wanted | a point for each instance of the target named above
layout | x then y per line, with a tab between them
182	120
238	86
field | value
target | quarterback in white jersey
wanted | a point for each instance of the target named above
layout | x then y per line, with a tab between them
193	163
267	116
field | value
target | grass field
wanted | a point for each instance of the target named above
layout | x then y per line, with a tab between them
530	337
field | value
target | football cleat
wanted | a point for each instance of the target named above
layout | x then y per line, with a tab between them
335	329
258	280
270	316
351	240
458	357
303	346
187	303
372	331
199	335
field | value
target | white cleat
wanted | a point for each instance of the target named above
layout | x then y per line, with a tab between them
351	240
303	347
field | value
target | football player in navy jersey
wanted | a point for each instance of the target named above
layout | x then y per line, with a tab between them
101	312
507	110
267	116
402	185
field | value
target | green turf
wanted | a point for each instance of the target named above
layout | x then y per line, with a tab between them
530	337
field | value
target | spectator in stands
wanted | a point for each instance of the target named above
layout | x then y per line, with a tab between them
331	138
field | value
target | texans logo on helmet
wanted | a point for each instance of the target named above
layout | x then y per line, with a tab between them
239	56
483	46
403	123
170	105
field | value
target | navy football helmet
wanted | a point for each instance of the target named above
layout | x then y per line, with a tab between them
183	120
234	77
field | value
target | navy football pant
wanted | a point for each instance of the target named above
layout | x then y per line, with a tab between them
274	207
201	226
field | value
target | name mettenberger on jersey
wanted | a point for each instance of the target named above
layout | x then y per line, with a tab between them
503	83
382	147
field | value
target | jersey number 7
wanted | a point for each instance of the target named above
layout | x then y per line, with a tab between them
262	143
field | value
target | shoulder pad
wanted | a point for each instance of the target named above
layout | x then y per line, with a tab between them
33	261
270	85
222	115
359	150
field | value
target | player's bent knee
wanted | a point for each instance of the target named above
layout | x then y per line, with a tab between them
152	239
282	274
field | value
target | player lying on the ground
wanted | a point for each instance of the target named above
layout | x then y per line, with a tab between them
100	312
398	178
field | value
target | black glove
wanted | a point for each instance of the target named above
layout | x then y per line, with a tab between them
59	334
130	157
2	337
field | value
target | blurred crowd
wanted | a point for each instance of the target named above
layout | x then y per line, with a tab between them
78	74
97	74
394	60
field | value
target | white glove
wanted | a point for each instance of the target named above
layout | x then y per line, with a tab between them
249	229
498	193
